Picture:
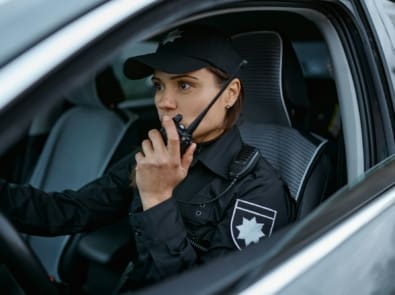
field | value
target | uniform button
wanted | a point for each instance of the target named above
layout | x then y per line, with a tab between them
198	212
137	233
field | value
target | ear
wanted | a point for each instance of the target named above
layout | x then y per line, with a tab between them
232	92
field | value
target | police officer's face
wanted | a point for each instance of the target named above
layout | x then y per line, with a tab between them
189	94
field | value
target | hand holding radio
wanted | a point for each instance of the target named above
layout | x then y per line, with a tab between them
159	168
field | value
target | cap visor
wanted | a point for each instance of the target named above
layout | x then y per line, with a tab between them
142	66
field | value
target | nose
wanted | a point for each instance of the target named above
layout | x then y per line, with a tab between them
165	101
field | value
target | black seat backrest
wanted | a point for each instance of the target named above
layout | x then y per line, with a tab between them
78	149
296	157
273	82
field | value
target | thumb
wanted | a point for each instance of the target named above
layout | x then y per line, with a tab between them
187	157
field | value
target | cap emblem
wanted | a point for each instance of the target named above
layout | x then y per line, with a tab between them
173	35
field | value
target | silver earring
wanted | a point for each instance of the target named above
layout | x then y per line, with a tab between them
228	107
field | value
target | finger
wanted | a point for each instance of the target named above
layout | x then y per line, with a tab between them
156	140
147	148
173	140
188	156
138	157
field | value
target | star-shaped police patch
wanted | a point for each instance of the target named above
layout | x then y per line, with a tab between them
250	222
250	231
173	35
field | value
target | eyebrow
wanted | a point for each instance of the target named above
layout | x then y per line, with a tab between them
177	77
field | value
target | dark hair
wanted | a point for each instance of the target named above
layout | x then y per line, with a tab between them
233	113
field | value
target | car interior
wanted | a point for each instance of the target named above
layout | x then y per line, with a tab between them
294	101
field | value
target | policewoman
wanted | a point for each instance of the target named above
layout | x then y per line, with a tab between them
194	191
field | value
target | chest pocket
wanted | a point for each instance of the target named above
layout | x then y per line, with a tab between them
198	214
206	210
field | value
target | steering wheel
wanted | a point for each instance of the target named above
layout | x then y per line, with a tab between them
21	262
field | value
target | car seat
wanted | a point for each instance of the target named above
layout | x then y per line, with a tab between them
78	149
273	117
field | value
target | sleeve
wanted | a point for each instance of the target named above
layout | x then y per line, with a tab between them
161	237
161	242
100	202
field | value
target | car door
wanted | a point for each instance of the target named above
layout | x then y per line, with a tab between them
366	105
356	256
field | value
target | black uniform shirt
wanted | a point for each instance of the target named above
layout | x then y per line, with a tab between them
207	216
203	219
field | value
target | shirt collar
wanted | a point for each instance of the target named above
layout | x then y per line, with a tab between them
217	155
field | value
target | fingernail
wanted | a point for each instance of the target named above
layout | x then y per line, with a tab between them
166	118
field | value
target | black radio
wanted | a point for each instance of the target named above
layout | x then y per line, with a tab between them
184	134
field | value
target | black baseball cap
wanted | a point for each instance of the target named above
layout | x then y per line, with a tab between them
184	50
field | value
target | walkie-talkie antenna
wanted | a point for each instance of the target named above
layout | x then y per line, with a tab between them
191	128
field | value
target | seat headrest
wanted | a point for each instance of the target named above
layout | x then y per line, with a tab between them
273	78
104	91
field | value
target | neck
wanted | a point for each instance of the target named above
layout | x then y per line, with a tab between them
213	134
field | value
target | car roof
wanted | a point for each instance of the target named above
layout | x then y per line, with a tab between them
23	23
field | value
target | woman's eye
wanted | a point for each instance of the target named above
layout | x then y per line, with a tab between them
157	86
184	85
